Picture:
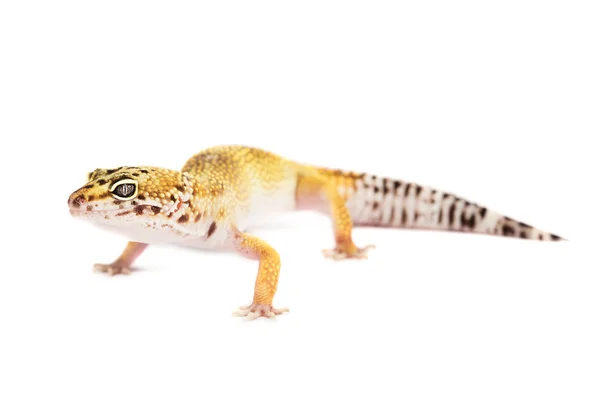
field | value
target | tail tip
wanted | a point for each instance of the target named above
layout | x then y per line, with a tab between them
556	238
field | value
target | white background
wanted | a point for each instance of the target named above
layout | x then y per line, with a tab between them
495	101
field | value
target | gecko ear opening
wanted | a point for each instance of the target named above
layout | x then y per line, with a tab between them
125	189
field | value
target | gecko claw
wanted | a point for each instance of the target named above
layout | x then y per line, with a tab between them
253	311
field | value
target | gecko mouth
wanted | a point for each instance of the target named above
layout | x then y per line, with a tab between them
75	212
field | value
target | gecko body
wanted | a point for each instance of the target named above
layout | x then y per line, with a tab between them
222	191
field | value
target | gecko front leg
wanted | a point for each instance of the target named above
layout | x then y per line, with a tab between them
266	279
122	265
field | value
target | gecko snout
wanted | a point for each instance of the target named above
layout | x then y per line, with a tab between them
76	200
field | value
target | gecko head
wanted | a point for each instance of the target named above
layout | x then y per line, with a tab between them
123	194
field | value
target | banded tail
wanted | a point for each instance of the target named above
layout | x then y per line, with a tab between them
384	202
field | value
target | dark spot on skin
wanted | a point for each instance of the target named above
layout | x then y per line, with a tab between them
134	203
555	237
523	235
451	213
446	195
404	216
91	197
397	184
117	202
178	206
173	198
135	174
183	219
112	171
179	187
144	171
385	186
211	229
375	206
104	195
471	222
139	210
419	188
467	222
522	225
142	197
155	209
418	215
89	208
376	189
406	189
508	230
88	186
198	216
123	213
482	212
102	182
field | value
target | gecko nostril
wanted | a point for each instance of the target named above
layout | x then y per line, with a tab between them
78	201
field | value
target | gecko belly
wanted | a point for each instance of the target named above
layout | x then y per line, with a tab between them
268	204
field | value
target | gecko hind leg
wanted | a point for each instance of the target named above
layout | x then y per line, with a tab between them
122	265
316	191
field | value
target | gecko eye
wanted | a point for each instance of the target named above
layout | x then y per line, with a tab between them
125	189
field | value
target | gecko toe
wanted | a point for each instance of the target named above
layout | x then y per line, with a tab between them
340	253
255	311
112	269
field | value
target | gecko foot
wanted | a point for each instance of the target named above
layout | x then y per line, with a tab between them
341	253
112	269
254	311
